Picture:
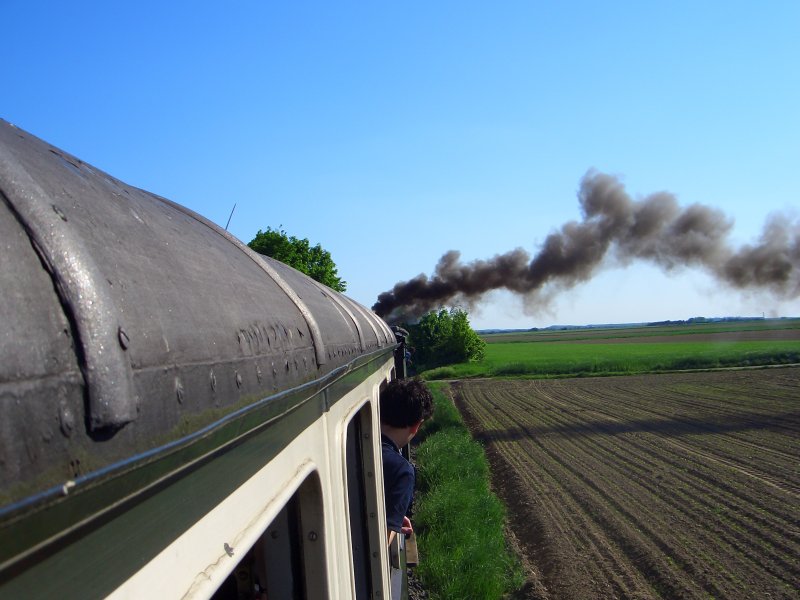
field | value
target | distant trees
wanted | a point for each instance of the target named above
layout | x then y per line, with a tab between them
300	254
445	337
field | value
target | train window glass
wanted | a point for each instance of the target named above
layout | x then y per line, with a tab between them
288	560
362	500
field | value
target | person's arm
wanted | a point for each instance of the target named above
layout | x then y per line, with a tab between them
398	490
407	530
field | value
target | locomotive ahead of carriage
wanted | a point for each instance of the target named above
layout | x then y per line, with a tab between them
180	416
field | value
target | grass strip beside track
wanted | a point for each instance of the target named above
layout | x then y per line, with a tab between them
459	521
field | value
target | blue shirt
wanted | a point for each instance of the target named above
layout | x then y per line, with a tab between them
398	484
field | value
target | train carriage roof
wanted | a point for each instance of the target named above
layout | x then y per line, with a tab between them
128	322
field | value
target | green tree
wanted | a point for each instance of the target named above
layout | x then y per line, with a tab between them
300	254
445	337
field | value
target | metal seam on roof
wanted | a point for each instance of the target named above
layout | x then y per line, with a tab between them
79	283
367	317
340	303
316	334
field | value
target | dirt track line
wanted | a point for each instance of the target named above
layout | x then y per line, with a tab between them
779	486
573	522
620	393
789	489
606	514
606	493
638	409
661	459
697	494
577	530
633	536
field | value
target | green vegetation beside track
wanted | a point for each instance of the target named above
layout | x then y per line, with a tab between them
459	522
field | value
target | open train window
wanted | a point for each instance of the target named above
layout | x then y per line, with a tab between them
288	560
362	501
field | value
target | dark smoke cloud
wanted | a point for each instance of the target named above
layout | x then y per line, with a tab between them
655	229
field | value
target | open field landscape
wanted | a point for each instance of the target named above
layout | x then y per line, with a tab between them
683	485
739	330
632	350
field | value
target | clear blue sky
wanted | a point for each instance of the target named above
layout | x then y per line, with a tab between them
392	132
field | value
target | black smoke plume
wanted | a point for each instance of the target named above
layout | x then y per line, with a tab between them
655	228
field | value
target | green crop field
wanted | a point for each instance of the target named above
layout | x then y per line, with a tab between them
633	350
742	328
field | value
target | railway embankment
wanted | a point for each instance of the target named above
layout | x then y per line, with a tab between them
460	523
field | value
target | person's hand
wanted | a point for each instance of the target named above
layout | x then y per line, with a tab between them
406	528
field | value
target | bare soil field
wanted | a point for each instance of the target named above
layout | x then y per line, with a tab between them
657	486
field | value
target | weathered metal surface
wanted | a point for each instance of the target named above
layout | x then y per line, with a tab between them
75	275
128	321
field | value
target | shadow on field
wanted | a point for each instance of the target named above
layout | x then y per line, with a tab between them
787	423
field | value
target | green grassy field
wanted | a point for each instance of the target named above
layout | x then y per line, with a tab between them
552	335
632	350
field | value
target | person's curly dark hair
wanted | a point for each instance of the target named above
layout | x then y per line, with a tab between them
405	402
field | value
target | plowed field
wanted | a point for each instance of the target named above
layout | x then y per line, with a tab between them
656	486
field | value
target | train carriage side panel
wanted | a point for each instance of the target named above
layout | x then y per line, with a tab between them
244	518
151	368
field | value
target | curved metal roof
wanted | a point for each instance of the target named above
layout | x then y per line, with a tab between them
126	317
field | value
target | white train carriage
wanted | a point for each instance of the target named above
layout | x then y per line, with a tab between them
181	417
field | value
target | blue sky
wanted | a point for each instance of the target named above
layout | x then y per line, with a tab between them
391	133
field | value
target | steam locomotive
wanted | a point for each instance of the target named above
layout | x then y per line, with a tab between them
180	417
